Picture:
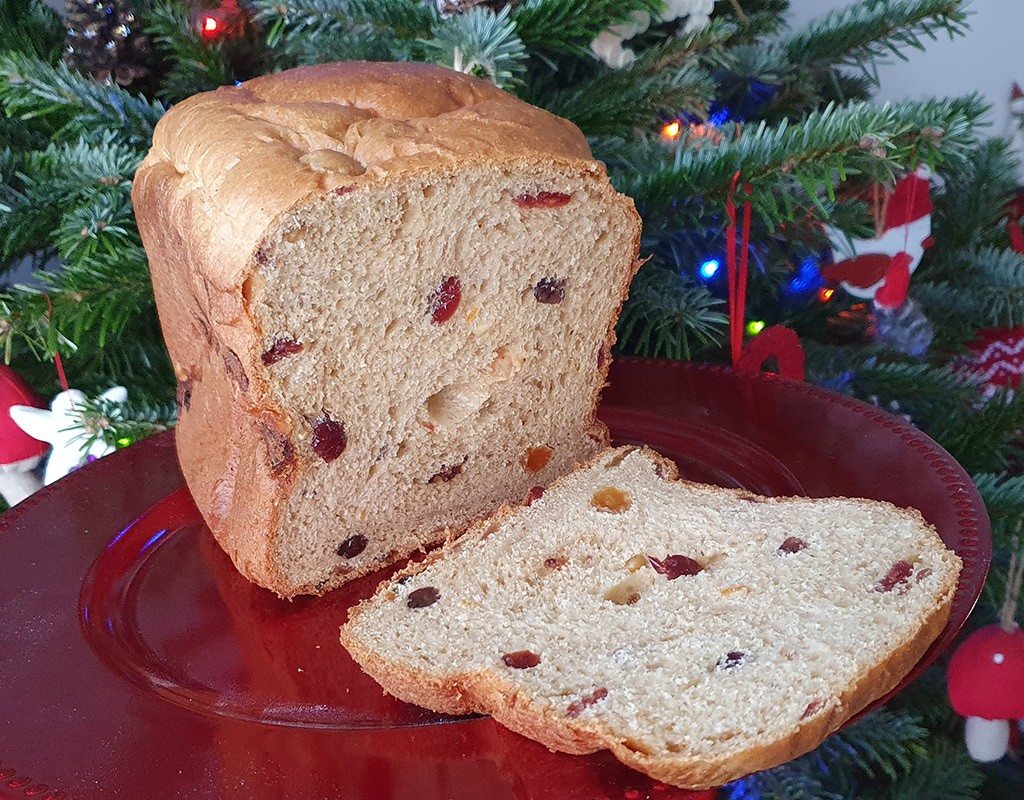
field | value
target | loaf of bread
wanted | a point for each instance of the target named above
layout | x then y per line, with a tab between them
389	292
700	634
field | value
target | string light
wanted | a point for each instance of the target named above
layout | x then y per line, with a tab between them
672	130
124	441
709	268
755	326
210	25
825	294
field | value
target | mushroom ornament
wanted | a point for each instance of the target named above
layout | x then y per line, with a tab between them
63	426
986	678
20	454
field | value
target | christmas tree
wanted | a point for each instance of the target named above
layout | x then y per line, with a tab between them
747	147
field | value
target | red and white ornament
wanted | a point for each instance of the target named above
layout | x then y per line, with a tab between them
986	678
861	266
997	358
986	685
20	454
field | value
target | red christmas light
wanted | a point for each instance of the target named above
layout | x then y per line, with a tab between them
210	25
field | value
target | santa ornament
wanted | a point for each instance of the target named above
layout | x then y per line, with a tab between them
986	678
903	227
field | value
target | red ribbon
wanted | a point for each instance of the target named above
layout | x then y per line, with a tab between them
56	353
737	272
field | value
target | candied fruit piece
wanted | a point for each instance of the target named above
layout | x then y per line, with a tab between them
636	563
542	200
792	545
521	659
536	493
579	706
329	439
731	660
536	458
352	546
898	573
282	348
611	500
343	190
421	598
922	574
444	300
813	708
676	566
550	291
555	562
627	591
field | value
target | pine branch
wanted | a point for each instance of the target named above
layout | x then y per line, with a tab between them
479	42
195	65
668	317
864	34
1003	494
121	424
985	440
384	30
73	104
32	28
967	212
988	293
616	102
788	166
944	772
569	26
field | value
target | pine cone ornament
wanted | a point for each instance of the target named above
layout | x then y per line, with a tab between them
103	42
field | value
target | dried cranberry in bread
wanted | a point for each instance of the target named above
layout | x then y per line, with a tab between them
389	292
700	634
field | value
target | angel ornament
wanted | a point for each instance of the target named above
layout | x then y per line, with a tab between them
74	439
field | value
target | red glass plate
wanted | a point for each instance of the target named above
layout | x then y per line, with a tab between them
135	662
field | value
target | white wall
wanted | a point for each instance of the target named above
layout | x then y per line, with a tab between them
988	59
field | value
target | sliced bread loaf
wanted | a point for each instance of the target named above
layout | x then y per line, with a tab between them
700	634
389	292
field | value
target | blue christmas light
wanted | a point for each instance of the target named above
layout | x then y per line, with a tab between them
807	279
709	268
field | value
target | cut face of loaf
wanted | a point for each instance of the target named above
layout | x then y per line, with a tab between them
389	292
699	634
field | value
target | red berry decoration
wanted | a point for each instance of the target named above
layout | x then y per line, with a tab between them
444	300
675	566
282	348
898	573
329	439
550	291
521	659
421	598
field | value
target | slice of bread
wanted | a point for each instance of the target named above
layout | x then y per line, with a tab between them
389	292
698	633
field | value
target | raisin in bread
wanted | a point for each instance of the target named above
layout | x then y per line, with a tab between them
700	634
389	292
